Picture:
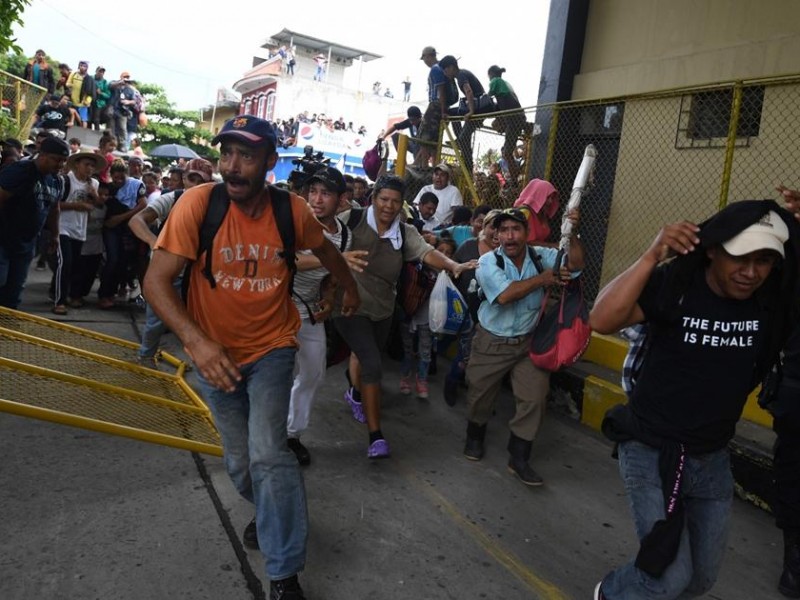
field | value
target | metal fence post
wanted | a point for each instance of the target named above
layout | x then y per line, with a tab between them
730	144
551	144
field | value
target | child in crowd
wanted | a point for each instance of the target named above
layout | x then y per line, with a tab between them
418	324
88	264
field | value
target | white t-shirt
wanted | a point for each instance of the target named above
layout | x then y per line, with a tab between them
72	223
449	196
307	283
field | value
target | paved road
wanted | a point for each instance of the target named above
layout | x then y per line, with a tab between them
87	516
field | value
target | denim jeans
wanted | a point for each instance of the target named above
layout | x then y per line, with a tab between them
15	260
154	327
707	492
252	423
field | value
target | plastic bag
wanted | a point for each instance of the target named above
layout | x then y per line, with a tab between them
447	310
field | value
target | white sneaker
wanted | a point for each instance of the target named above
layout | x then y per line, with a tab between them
598	595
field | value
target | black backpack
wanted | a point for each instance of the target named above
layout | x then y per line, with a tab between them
218	205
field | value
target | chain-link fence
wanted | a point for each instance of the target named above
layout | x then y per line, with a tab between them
19	100
663	157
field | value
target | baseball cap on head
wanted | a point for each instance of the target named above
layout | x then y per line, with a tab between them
443	167
520	215
248	130
768	233
54	145
201	167
427	50
331	178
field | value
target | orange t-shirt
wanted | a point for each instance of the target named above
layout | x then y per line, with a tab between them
250	311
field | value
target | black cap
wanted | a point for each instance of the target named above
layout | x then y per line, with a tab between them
330	178
520	215
54	145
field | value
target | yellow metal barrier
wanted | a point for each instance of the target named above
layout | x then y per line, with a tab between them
72	376
19	100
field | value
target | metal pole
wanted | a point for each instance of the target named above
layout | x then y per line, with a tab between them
730	144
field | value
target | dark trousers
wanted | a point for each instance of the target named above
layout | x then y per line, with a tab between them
787	470
120	257
63	276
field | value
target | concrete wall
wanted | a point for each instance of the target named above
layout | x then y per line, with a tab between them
634	46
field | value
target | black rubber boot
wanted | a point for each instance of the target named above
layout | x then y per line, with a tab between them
789	584
473	449
520	451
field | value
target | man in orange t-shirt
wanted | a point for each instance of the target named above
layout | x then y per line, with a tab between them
241	334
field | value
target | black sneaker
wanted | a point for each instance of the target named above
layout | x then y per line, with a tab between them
450	391
250	535
286	589
300	451
524	472
473	449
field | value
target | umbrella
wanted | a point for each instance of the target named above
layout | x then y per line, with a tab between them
173	151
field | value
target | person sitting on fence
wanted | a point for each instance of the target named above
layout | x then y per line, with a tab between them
512	124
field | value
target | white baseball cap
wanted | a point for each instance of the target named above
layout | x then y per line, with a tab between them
769	233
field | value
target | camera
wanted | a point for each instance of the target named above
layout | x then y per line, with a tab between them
306	166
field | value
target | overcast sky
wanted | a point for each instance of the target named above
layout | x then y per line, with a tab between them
172	43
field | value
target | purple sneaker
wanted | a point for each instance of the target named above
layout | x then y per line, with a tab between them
379	449
356	407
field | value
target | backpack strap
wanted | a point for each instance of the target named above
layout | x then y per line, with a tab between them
218	205
355	216
281	203
537	260
345	235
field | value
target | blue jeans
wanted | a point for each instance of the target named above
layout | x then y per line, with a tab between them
707	493
154	327
252	423
15	260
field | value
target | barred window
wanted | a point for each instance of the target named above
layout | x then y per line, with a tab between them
706	116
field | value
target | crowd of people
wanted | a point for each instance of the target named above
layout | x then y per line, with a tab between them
76	98
292	269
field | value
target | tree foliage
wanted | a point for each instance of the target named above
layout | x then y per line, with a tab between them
10	14
167	125
14	62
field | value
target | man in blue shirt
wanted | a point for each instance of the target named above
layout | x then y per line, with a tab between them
442	93
30	191
513	289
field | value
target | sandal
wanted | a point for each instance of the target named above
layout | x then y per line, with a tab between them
60	309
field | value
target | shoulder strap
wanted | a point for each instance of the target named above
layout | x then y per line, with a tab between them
218	206
537	260
355	216
67	185
501	262
345	235
281	203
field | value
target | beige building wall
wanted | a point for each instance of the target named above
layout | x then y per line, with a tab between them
634	46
